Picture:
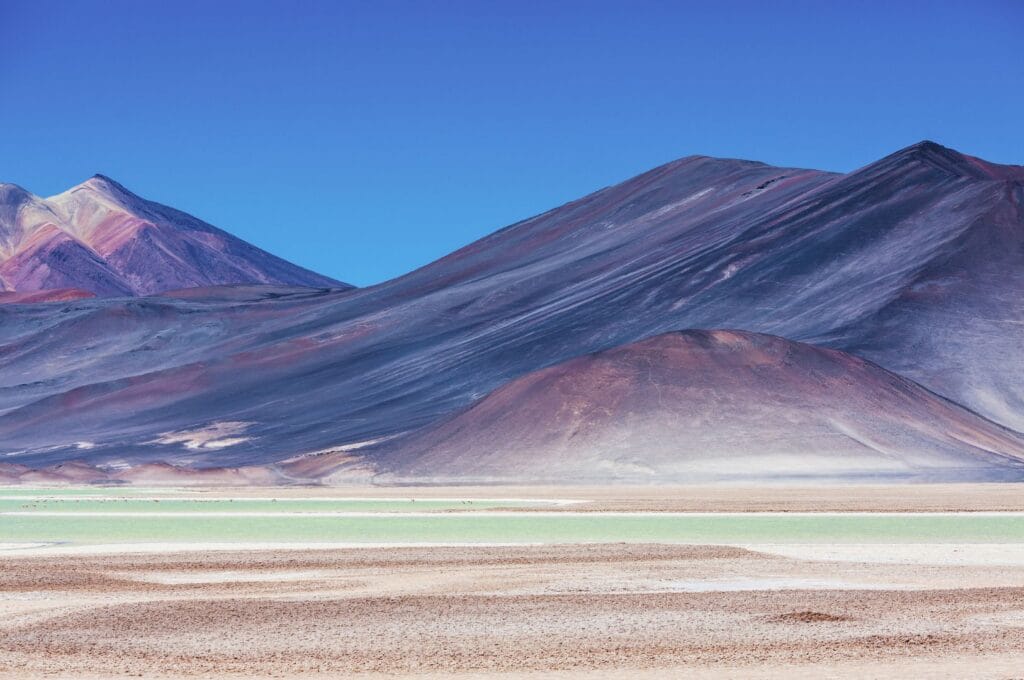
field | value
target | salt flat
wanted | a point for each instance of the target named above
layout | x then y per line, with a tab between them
612	584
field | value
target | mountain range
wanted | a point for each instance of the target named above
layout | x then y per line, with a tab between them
709	319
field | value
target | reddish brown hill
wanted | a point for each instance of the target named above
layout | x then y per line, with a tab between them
700	405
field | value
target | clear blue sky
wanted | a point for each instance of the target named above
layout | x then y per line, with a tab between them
363	139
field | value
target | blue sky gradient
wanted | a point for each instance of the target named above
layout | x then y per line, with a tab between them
363	139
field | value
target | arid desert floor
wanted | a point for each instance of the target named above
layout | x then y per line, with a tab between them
562	610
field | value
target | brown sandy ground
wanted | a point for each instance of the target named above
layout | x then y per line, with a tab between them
558	611
702	498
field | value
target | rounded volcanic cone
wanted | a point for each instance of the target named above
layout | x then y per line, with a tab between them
706	405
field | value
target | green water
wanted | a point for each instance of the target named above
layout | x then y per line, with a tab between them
520	528
133	515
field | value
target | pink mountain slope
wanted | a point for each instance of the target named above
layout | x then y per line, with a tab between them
101	238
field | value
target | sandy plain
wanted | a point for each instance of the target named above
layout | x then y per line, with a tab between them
569	611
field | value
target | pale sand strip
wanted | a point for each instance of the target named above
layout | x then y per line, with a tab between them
699	498
8	550
938	554
941	554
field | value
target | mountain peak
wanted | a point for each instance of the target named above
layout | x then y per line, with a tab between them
952	162
927	145
101	180
107	187
125	244
926	149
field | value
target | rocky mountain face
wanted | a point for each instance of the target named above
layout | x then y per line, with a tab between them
914	263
